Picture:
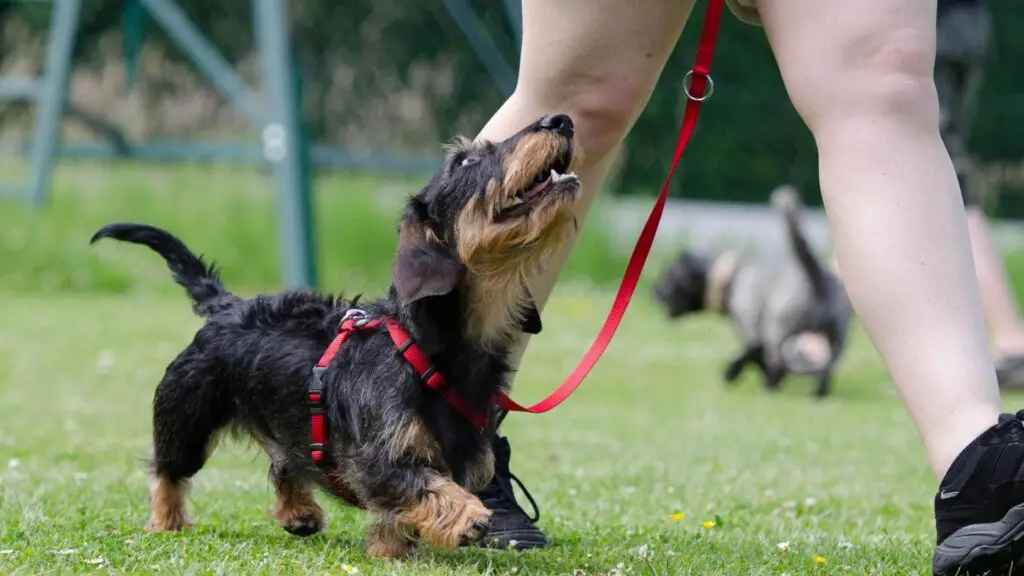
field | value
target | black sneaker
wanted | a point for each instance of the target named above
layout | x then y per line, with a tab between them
979	509
511	528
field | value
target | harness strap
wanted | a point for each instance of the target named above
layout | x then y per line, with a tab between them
318	434
430	376
698	86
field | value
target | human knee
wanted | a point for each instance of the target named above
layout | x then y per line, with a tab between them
603	104
886	73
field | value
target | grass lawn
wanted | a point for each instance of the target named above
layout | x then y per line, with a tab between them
653	467
793	485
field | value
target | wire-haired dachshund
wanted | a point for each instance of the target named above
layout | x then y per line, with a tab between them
406	451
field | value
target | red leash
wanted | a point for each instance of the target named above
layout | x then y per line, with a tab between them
696	81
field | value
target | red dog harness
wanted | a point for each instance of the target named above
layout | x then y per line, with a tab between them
353	321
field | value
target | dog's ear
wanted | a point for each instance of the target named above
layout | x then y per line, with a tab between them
423	267
530	323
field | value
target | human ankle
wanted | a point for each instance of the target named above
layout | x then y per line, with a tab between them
956	435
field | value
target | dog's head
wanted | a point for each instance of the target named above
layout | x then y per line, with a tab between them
486	222
684	284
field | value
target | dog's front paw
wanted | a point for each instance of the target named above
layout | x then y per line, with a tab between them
449	518
169	523
476	523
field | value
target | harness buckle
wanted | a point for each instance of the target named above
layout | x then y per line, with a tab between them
315	392
357	316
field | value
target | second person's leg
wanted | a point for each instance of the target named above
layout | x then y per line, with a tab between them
860	74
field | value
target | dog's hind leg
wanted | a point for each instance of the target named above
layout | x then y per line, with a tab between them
773	361
296	508
825	380
189	408
836	334
773	376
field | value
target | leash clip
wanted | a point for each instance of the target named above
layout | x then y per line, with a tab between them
709	89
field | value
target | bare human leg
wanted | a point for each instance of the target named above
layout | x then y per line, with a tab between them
860	76
598	61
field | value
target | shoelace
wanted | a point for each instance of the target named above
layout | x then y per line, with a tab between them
506	493
504	477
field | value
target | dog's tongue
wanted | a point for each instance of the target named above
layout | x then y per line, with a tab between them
532	192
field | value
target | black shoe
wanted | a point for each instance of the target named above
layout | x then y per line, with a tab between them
979	509
511	528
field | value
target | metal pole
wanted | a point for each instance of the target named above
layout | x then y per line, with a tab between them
50	99
205	55
476	33
284	145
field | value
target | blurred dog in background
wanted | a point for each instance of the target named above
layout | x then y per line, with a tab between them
792	313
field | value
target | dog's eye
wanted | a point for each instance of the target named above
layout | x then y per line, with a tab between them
468	161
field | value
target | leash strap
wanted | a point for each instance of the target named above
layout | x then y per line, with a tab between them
698	86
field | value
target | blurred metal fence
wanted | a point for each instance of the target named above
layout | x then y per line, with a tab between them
285	144
379	84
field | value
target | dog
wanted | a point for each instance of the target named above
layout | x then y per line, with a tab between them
410	455
781	309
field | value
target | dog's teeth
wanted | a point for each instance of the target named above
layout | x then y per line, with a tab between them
556	177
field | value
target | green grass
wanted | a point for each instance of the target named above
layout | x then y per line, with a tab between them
85	334
652	433
225	212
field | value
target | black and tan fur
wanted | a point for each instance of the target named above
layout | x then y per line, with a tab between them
467	242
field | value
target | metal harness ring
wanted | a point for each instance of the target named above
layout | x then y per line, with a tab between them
708	90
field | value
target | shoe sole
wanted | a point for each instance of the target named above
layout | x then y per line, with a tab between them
992	549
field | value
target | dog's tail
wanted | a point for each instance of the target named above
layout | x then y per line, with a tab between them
786	200
200	281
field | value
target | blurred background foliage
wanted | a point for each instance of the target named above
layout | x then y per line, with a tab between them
400	76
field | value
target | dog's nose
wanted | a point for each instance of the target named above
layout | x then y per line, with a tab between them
560	123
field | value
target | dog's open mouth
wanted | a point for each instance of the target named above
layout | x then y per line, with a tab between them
547	180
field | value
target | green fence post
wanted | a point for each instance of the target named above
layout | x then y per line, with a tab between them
133	36
50	104
283	144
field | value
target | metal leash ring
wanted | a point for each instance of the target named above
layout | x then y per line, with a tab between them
708	90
